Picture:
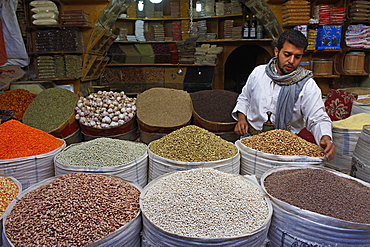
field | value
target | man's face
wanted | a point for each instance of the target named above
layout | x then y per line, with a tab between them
288	58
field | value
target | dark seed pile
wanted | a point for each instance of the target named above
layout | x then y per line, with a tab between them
323	192
214	105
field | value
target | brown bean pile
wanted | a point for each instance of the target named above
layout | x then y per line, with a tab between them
214	105
193	144
282	142
358	90
73	210
164	107
323	192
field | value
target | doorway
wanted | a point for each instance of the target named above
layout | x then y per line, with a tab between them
240	64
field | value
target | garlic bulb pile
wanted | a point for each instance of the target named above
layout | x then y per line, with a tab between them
104	110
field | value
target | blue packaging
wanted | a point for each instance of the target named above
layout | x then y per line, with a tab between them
329	37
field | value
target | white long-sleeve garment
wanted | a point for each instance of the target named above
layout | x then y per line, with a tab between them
260	94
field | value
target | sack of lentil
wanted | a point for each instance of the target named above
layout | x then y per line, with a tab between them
317	206
345	135
191	147
204	207
10	188
79	209
276	148
163	110
126	159
361	158
27	153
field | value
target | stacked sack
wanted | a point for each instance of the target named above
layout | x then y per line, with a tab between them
359	11
296	12
45	13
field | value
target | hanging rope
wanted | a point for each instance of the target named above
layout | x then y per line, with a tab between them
191	30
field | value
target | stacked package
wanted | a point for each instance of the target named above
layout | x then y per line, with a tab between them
175	9
149	9
235	7
75	17
358	36
360	11
202	29
227	9
330	14
158	31
115	54
44	13
161	53
237	32
53	40
139	30
186	50
176	30
184	8
207	54
210	7
228	29
71	39
185	27
46	67
174	53
73	66
60	68
296	12
311	38
220	8
146	53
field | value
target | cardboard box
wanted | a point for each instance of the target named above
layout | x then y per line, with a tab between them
328	37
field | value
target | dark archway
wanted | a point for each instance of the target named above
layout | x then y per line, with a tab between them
240	64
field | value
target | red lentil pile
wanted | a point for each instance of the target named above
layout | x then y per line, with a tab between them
16	100
8	191
323	192
20	140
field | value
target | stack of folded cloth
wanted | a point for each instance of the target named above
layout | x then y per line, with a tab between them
358	36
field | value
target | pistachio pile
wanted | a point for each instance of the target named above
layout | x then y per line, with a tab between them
105	109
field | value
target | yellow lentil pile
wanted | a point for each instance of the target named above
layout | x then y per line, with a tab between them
358	90
356	121
282	142
193	144
8	191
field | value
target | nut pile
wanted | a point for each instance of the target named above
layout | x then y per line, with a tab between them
8	191
282	142
104	110
363	101
73	210
205	203
102	152
323	192
193	144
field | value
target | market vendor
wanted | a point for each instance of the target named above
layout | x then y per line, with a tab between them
283	95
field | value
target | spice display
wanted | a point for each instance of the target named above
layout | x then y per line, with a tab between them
193	144
323	192
8	191
50	109
164	107
104	110
73	210
214	105
20	140
16	100
205	203
282	142
363	101
102	152
356	121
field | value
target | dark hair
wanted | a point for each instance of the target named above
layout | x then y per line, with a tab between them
294	37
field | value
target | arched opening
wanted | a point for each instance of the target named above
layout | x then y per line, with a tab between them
240	63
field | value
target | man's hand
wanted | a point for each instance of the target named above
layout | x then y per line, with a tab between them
241	128
328	147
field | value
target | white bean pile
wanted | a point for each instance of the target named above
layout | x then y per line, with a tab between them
205	203
102	152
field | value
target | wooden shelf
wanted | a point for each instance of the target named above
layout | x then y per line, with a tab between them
198	41
326	76
159	64
177	19
84	2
